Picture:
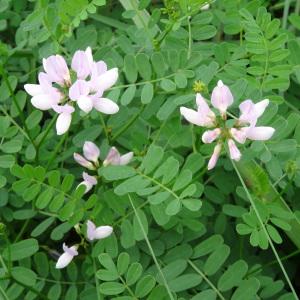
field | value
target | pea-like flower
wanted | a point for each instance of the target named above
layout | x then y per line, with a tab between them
98	233
67	256
243	129
91	155
59	88
88	181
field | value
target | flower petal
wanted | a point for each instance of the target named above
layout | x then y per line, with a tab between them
85	103
126	158
191	116
106	106
240	135
63	260
250	112
260	133
91	151
215	156
33	89
108	79
102	232
234	152
43	101
63	123
88	178
113	157
83	162
91	227
81	63
79	88
221	97
210	135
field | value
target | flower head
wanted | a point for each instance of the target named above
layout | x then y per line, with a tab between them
97	233
114	158
56	86
243	129
66	257
88	181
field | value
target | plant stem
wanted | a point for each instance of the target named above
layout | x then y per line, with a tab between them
285	13
15	101
265	230
128	124
96	279
151	250
206	279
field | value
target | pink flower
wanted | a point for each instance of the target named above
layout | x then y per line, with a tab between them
210	135
221	97
56	68
63	121
204	116
44	96
215	156
114	158
66	257
56	86
91	154
234	152
97	233
88	182
83	162
250	112
82	62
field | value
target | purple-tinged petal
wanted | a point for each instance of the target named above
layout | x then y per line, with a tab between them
240	135
79	88
43	101
250	112
81	63
191	116
107	79
221	97
33	89
83	162
210	135
103	232
91	227
126	158
85	103
215	156
91	151
112	158
234	152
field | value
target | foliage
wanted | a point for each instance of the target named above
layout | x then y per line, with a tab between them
180	231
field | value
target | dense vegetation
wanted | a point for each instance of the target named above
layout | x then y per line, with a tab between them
115	183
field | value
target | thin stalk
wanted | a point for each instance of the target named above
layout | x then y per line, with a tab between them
128	124
96	279
285	13
151	250
3	293
15	101
104	127
206	279
190	38
274	262
265	230
40	143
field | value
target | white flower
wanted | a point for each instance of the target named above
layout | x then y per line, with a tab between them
66	257
98	233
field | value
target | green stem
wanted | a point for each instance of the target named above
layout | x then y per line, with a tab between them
40	143
285	13
15	101
128	124
274	262
142	82
264	229
57	148
96	279
190	38
3	293
104	127
41	296
206	279
151	250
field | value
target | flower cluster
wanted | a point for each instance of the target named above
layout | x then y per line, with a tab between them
244	127
60	88
90	161
92	233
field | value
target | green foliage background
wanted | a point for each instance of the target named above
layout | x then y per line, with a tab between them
180	232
